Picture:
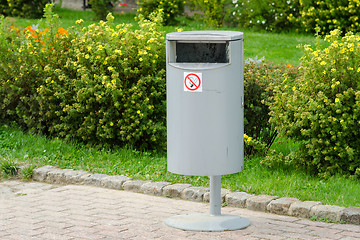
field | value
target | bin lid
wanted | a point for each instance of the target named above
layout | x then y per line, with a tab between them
205	36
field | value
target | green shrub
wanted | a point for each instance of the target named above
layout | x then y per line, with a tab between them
271	15
254	147
330	15
322	108
103	84
27	172
213	12
259	75
171	9
23	8
8	168
101	8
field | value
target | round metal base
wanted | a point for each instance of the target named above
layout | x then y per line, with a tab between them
207	223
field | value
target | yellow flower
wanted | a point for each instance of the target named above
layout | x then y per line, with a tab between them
337	99
138	112
140	59
110	68
323	63
87	56
111	124
79	21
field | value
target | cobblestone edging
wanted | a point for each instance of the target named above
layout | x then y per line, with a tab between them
264	203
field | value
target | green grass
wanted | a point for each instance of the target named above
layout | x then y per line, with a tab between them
8	168
37	150
276	47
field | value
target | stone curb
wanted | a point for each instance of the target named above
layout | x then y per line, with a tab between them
263	203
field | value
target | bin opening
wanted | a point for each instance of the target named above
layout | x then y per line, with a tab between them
202	52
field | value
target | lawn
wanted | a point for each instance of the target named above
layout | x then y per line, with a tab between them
26	148
37	150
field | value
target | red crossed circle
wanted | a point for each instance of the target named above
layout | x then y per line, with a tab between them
193	86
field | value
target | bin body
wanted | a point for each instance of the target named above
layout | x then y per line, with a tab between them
205	102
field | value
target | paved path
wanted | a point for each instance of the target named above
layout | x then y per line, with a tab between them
35	210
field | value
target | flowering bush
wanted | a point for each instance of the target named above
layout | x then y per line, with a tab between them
271	15
330	15
253	146
213	11
101	8
322	108
171	9
259	76
23	8
102	83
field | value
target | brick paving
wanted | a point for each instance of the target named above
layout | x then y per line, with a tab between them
34	210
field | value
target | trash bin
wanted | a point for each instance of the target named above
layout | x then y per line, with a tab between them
205	101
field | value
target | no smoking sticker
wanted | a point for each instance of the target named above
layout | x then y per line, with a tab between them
192	82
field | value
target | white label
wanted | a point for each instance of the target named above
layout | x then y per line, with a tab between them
193	82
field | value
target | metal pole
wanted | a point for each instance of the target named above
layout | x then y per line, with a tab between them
215	195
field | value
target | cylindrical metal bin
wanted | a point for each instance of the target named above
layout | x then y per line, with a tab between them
205	101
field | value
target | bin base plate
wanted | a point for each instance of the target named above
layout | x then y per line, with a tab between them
207	222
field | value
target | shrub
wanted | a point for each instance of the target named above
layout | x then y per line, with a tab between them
271	15
330	15
254	147
171	9
213	11
101	8
23	8
101	84
259	75
322	108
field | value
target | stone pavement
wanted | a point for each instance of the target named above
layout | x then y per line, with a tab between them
33	210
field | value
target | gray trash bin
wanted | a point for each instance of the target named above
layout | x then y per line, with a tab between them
205	102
